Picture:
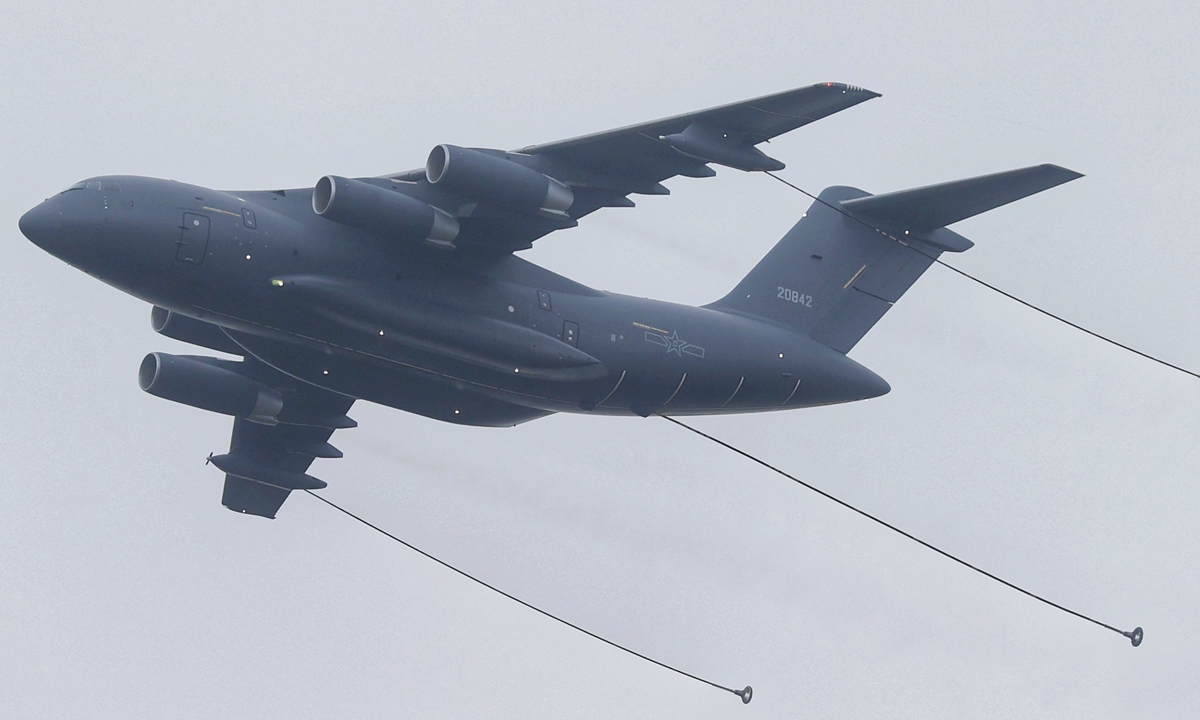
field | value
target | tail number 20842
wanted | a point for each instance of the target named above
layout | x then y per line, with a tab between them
795	297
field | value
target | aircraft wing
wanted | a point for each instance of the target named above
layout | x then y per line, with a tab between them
602	169
266	462
638	151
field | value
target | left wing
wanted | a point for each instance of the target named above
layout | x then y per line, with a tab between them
657	148
503	201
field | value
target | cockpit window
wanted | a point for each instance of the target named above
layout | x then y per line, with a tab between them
104	185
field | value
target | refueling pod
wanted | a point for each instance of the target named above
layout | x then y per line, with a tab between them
723	147
480	175
367	206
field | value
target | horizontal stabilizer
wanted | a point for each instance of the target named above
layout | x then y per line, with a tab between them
832	278
936	206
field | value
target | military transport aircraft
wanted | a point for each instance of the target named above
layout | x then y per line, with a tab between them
405	290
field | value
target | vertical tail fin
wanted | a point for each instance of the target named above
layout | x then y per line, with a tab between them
836	273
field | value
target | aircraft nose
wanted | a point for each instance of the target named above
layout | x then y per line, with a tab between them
42	225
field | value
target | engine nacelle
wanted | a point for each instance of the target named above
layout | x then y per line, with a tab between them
203	383
361	204
481	176
189	330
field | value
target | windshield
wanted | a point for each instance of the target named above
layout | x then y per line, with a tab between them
105	185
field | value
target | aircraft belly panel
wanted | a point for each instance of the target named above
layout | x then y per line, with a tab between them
701	389
410	390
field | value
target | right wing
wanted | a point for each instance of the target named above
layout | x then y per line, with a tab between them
269	456
266	462
270	462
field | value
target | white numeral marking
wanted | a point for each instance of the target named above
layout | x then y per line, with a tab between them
794	296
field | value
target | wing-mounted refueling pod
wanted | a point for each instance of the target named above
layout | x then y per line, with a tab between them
368	206
493	176
723	147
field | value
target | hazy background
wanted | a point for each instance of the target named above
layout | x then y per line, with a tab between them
1056	461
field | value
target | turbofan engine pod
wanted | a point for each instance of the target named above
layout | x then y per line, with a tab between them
482	175
202	383
361	204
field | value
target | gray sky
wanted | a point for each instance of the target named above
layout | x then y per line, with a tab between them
1060	463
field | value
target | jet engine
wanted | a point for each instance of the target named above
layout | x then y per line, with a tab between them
189	330
480	175
203	383
361	204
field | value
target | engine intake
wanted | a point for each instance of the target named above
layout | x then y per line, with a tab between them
482	176
189	330
203	383
367	206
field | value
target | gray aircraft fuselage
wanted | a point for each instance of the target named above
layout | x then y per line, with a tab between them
404	289
466	337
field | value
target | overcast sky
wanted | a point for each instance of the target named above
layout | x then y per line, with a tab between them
1060	463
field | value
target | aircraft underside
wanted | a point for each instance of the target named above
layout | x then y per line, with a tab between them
404	289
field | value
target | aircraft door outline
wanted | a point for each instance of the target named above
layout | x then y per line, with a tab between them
192	245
